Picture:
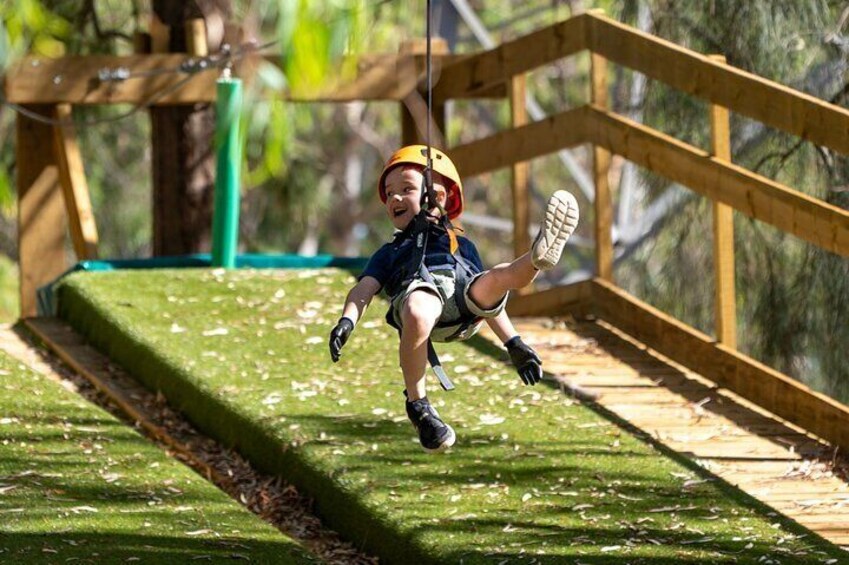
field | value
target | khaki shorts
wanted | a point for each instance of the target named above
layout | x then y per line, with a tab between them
450	319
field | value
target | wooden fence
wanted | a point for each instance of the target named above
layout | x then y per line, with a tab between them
501	72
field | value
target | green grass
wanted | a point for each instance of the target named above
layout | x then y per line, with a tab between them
9	308
534	476
77	485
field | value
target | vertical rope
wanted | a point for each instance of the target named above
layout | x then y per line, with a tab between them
429	168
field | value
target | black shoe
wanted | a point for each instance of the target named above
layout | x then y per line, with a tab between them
434	434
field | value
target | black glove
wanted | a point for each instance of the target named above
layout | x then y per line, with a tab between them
339	336
525	359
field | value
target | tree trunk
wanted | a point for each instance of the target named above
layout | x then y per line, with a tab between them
182	153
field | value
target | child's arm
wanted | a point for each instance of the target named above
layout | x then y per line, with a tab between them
356	303
359	298
502	326
524	358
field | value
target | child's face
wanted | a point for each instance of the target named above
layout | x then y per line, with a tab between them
403	195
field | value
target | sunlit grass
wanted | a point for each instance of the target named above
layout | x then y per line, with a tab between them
9	304
77	485
533	476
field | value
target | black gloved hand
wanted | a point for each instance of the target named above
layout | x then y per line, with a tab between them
525	359
339	336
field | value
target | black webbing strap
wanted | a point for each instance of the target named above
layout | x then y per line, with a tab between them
436	365
430	194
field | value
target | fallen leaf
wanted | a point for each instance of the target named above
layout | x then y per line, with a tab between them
491	419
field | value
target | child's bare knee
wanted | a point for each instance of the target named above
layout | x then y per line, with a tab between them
420	311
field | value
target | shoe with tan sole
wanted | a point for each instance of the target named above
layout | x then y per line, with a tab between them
561	219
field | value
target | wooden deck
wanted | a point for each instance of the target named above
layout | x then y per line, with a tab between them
771	460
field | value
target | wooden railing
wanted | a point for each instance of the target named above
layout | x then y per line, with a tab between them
730	187
501	72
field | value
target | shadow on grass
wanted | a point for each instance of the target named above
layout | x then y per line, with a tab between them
425	527
629	522
102	547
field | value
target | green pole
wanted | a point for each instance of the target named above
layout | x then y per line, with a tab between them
225	219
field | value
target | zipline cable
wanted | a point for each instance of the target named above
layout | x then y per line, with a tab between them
429	87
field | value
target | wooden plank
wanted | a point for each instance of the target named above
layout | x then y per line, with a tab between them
603	203
520	170
725	307
505	148
742	92
551	302
73	80
752	380
72	178
500	64
383	77
758	197
41	210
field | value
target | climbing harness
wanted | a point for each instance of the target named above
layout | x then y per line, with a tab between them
424	223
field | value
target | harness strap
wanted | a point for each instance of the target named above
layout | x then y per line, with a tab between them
436	365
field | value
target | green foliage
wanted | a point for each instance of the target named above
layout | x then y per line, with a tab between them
27	26
315	40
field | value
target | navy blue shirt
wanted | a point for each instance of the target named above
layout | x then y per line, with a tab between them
392	264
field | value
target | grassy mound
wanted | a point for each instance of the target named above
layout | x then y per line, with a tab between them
78	485
534	477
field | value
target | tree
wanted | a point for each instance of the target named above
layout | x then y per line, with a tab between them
183	157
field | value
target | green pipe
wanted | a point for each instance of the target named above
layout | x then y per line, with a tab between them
225	218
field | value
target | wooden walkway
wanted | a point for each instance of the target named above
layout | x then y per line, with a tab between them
765	457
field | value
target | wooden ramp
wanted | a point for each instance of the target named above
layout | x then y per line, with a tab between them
772	460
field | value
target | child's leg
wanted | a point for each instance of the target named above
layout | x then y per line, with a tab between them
561	218
419	315
489	288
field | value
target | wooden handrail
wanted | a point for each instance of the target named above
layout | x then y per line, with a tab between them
768	102
536	139
500	64
728	368
73	80
758	197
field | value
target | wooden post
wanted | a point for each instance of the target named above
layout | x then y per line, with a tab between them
196	38
74	185
414	105
41	211
601	168
723	234
183	164
160	36
521	200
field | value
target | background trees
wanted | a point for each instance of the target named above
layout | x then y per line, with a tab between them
310	170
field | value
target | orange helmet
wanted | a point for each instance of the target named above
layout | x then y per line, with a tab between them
417	155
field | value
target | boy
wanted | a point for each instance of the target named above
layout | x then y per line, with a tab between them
436	283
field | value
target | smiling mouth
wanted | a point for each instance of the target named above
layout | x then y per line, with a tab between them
399	212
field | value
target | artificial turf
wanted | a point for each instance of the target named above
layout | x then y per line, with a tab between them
534	477
79	486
